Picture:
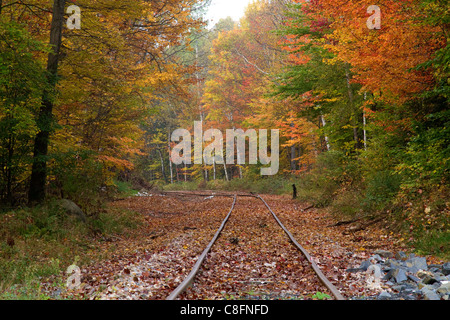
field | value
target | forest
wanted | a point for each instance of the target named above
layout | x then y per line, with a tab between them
91	93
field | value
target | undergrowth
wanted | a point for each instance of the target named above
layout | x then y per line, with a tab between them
39	242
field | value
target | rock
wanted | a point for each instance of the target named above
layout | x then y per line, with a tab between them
446	268
412	270
399	288
400	276
413	278
440	277
429	280
389	275
417	262
384	295
375	258
365	265
401	256
434	269
384	253
353	270
72	209
444	289
396	264
422	274
430	294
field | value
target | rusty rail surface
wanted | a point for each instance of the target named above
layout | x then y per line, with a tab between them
191	276
316	268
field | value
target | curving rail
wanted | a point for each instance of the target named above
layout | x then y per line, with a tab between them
191	276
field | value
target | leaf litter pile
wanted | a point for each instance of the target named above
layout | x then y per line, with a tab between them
252	259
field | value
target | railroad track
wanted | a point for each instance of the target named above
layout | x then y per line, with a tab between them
189	280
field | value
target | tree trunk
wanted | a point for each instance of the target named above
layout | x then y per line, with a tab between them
171	171
163	170
327	141
44	122
293	156
351	102
365	123
226	172
170	160
9	177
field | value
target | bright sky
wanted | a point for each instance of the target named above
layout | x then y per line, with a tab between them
223	8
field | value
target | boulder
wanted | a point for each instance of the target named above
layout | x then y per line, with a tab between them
446	268
422	274
384	295
444	289
417	262
384	253
72	209
365	265
430	294
400	276
401	256
414	278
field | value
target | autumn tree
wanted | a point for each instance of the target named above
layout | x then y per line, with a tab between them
22	82
102	82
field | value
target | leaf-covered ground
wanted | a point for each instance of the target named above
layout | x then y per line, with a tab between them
252	259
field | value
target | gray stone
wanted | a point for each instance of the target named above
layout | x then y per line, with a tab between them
376	257
354	270
412	270
440	277
396	264
430	294
71	209
400	276
418	262
389	274
422	274
384	253
365	265
413	278
401	256
446	268
384	295
399	288
444	289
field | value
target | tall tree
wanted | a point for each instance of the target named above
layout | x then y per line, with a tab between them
45	120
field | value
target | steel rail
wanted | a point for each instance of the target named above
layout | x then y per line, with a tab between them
316	268
191	276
